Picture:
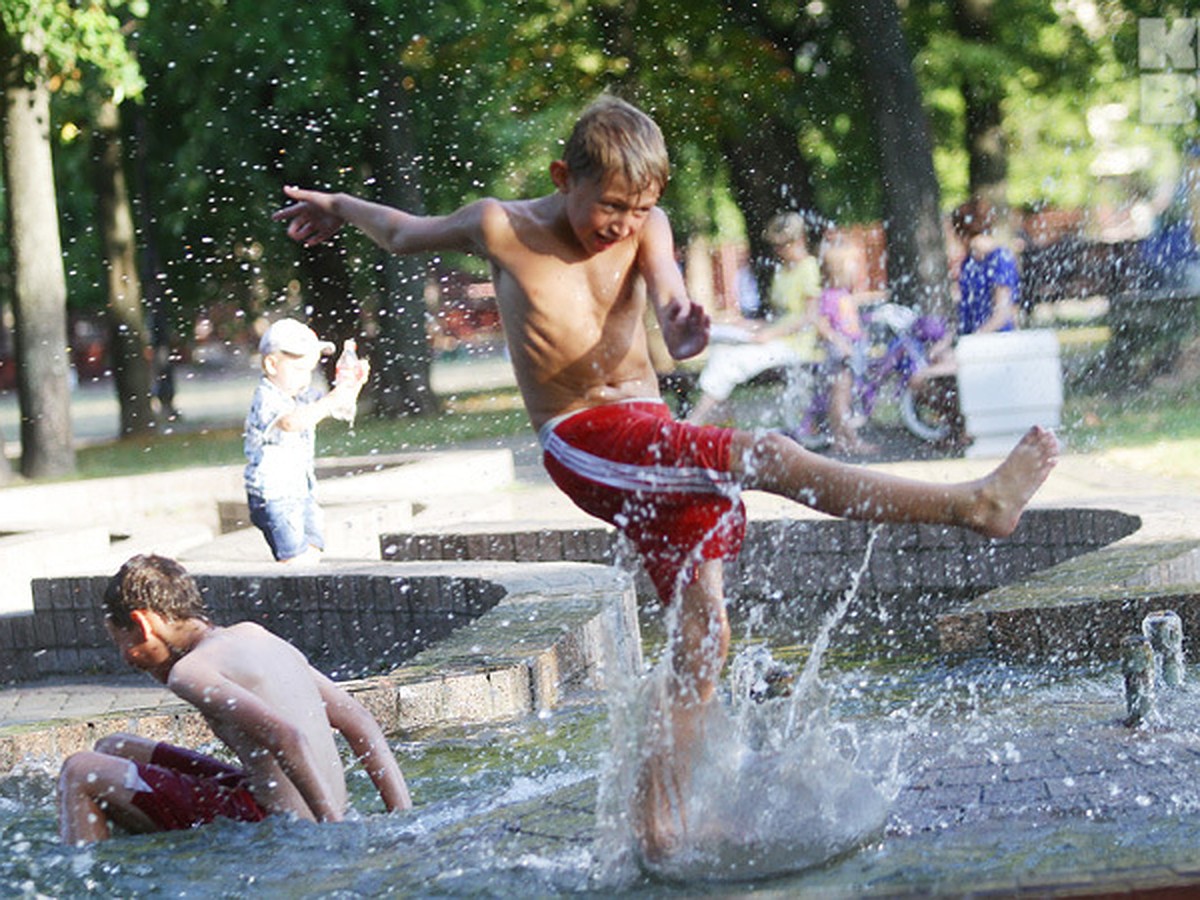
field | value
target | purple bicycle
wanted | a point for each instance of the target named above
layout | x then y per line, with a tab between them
900	339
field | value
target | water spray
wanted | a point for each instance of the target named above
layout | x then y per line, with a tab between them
1164	630
1137	664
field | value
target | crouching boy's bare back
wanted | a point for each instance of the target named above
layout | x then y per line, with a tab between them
243	680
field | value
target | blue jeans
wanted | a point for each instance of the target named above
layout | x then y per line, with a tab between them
290	524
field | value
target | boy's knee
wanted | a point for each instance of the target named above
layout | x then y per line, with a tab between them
79	769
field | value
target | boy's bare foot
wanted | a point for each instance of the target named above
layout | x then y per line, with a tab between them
1003	494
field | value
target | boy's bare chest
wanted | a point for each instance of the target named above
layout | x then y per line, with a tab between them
594	289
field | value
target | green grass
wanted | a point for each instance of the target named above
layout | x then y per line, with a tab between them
1101	423
1161	423
160	453
1103	416
468	418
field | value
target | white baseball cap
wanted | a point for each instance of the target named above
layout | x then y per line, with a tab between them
296	338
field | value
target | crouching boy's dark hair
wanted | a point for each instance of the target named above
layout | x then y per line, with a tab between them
155	583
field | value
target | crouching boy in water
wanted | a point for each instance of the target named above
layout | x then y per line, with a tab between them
258	694
566	268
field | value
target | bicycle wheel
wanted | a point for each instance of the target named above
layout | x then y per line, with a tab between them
922	418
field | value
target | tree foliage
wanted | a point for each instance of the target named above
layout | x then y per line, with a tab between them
762	104
47	47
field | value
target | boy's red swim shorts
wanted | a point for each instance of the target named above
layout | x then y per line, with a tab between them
188	788
665	484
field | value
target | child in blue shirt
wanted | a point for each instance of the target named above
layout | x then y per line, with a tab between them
280	438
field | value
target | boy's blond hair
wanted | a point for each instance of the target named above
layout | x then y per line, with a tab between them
612	137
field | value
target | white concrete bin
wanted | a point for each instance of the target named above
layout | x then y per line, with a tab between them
1007	382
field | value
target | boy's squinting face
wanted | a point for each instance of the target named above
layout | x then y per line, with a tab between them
291	374
604	213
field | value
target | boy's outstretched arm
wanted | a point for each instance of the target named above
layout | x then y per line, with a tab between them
316	216
368	742
684	323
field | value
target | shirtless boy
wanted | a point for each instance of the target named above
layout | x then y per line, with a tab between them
565	267
258	694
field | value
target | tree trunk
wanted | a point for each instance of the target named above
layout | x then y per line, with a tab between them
39	283
768	175
162	327
916	247
5	340
334	314
129	346
403	351
5	468
987	147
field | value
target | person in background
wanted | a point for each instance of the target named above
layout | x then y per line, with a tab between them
989	296
280	439
840	327
742	351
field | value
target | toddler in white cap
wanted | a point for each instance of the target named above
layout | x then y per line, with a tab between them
280	438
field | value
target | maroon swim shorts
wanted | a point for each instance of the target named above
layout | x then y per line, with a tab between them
188	788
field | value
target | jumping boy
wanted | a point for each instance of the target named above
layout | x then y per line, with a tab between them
258	694
565	267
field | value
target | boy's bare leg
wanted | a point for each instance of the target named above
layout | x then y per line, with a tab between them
129	746
91	793
704	410
698	651
991	505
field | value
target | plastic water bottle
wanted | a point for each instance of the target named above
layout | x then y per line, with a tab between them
346	371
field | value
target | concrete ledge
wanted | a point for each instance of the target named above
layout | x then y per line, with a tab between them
1079	610
552	629
24	555
104	521
351	532
121	504
370	479
813	558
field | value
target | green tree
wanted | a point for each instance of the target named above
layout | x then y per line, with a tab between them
428	105
47	45
39	283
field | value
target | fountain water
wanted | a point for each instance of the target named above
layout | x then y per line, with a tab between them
777	785
940	774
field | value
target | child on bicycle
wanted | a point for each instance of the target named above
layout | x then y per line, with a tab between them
839	325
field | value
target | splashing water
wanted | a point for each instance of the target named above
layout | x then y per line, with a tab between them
762	786
512	810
